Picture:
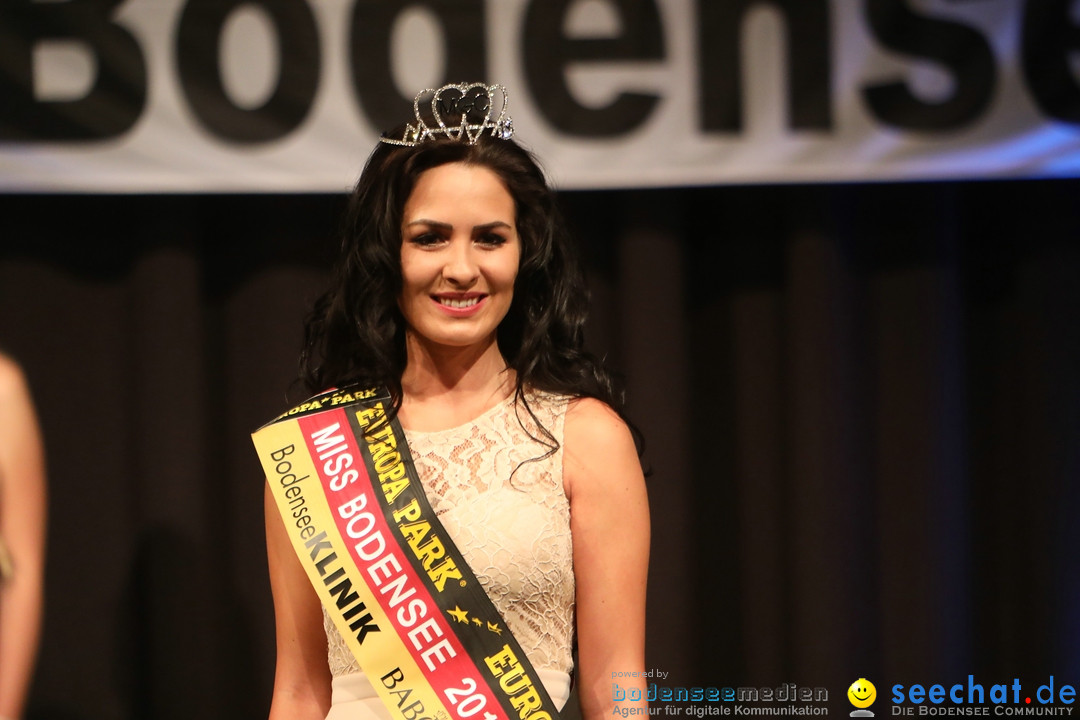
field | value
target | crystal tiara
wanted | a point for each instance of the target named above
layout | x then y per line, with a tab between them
462	111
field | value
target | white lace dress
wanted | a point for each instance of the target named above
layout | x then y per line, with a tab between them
499	494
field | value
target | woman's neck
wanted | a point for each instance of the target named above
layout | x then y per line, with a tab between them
447	386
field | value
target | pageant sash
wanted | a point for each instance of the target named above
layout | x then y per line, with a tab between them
409	607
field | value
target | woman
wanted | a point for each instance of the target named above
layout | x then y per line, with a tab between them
22	537
457	290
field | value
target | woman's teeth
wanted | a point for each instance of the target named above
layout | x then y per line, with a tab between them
459	302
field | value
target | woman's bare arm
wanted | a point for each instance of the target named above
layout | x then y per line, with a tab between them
22	526
302	675
609	518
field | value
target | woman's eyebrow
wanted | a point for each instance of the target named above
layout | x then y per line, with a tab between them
430	223
492	226
447	226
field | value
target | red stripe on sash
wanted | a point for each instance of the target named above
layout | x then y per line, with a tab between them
376	548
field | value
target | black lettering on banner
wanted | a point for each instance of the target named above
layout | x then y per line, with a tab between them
964	52
809	67
1050	36
465	36
548	52
198	63
113	103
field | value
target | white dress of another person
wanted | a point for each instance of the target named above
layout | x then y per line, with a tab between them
498	491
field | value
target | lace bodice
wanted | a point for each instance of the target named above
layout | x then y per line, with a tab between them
502	502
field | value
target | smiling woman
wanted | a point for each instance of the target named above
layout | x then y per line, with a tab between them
459	258
458	291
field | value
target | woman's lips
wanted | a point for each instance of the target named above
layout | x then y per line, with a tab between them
459	302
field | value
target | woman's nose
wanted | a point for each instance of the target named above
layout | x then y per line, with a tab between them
461	267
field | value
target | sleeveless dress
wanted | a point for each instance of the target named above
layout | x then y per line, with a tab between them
496	485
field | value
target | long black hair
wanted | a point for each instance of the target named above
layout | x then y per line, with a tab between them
356	332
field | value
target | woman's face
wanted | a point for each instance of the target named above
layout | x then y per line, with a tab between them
459	255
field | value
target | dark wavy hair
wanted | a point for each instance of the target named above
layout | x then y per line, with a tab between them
356	332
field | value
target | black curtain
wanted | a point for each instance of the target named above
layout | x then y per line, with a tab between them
861	406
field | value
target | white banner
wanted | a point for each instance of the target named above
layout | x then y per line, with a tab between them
290	95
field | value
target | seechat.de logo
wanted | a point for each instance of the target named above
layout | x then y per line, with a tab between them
862	694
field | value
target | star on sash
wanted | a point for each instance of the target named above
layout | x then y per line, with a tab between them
459	615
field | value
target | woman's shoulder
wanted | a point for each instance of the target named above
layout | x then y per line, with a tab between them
599	447
581	423
590	421
600	457
12	378
590	408
586	415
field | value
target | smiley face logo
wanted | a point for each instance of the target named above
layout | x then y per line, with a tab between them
862	693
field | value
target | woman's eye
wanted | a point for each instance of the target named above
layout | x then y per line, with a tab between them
425	239
492	239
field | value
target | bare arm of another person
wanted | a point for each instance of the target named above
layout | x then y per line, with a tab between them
302	674
22	527
609	518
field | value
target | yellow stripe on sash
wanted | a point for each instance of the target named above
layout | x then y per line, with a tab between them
310	523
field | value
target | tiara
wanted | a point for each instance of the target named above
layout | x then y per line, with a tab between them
462	111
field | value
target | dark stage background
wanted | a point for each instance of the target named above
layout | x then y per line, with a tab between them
862	407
